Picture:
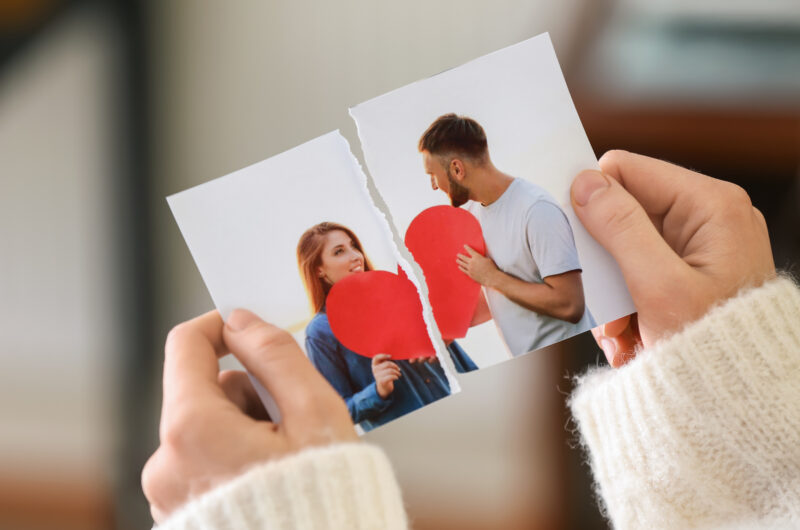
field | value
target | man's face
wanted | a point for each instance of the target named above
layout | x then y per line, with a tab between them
442	179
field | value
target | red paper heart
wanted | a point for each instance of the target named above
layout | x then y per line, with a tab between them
378	312
435	237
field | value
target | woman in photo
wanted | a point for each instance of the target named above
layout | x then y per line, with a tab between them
375	390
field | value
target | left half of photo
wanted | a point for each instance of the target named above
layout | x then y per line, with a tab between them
297	240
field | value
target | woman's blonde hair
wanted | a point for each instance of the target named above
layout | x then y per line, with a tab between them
309	259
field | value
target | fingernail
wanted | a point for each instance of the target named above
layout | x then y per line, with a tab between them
240	319
609	348
586	185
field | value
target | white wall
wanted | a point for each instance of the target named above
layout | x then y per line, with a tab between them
57	321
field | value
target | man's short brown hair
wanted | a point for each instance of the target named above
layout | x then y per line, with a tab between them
452	134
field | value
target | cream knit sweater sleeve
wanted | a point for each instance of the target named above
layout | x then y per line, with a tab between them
704	429
701	431
347	486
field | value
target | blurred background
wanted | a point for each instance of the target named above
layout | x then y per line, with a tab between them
108	107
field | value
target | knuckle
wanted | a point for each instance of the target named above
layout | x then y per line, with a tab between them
737	195
148	480
228	377
732	202
270	337
177	335
178	427
760	219
151	478
612	157
621	220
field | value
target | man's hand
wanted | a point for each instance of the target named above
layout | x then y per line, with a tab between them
683	241
476	266
207	435
386	373
558	296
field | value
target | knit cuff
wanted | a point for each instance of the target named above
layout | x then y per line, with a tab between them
347	486
704	428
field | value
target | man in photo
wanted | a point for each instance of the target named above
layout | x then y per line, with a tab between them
531	274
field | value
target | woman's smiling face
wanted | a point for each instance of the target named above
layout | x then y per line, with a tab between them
340	257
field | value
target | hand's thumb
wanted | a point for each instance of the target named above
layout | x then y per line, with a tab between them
619	223
274	358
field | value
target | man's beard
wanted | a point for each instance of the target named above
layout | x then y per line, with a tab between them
458	193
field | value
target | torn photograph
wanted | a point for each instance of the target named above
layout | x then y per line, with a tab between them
486	152
297	240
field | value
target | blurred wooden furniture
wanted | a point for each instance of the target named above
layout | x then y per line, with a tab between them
737	143
719	96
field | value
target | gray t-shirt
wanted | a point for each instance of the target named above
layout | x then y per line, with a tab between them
528	236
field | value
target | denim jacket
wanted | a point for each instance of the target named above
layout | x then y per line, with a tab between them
351	375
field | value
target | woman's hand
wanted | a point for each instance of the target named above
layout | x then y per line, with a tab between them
684	241
212	425
430	359
386	373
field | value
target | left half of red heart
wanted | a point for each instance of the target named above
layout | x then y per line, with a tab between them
379	312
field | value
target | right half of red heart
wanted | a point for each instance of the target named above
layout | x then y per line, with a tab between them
435	237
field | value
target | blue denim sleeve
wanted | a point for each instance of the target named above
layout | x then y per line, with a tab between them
363	404
461	360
